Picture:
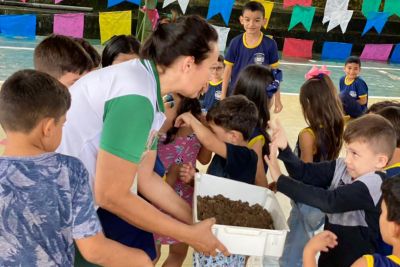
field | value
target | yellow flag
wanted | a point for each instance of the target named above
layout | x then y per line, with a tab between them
114	23
268	6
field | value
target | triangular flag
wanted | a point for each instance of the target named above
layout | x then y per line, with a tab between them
370	6
392	7
396	55
341	18
224	7
222	37
69	24
182	3
114	23
288	3
376	20
268	6
332	6
379	52
152	14
116	2
302	14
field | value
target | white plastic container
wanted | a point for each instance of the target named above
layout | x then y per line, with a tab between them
245	240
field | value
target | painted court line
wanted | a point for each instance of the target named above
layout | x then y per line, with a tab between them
17	48
332	66
382	97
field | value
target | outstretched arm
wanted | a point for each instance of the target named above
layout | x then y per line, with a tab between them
320	242
225	80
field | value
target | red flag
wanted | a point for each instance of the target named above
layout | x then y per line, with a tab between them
298	48
288	3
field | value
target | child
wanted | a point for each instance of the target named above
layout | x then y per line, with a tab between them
320	141
179	146
120	48
232	121
62	58
374	108
91	51
213	93
353	89
46	201
347	190
253	82
252	47
389	222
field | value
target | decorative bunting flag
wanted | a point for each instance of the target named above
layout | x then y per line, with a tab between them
302	14
297	48
379	52
392	7
376	20
336	51
182	3
111	3
222	37
341	18
223	7
396	55
268	6
18	25
332	6
288	3
152	15
370	6
57	1
69	24
114	23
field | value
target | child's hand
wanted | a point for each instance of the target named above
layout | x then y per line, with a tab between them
321	242
184	119
272	162
186	173
278	134
278	106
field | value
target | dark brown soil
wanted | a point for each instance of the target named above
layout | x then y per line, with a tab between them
236	213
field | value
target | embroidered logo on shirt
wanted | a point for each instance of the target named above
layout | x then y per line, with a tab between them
259	58
353	93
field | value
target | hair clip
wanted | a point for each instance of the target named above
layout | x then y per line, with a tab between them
274	86
314	72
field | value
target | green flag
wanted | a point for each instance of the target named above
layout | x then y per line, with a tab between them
370	6
302	14
392	7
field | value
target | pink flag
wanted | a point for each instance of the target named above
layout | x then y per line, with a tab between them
57	1
69	24
288	3
153	15
297	48
379	52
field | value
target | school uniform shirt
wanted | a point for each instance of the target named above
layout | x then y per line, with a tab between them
377	260
240	164
352	207
240	54
118	109
46	203
256	136
393	170
356	89
212	96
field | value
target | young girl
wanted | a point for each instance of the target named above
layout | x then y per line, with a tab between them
321	140
254	82
179	146
120	48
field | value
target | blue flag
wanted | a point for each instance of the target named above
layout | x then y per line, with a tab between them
376	20
396	55
336	51
18	25
224	7
116	2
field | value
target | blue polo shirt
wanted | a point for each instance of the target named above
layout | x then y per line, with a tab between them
356	89
240	54
212	96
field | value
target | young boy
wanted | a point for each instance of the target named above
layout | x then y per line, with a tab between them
389	224
46	201
213	93
63	58
353	89
251	47
232	121
346	189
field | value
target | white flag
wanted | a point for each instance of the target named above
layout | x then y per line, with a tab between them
222	37
182	3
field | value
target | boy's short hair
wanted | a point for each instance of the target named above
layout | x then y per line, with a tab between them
353	59
392	114
221	59
254	6
58	54
375	130
376	107
29	96
235	113
92	52
391	195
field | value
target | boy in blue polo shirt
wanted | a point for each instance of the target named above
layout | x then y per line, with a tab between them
251	47
213	93
353	89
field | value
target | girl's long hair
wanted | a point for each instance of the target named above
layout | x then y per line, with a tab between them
186	104
252	83
323	112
